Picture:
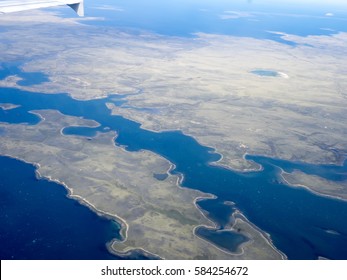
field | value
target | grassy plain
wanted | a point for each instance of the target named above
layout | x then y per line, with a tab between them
202	86
158	217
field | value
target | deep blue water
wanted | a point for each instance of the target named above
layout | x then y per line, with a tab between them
38	221
218	211
28	78
184	18
224	239
301	224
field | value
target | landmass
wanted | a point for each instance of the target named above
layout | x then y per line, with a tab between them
317	184
215	99
7	106
157	216
201	86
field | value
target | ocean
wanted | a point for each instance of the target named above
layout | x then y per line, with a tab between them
301	224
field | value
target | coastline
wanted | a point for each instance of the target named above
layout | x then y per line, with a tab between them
310	189
237	216
50	116
69	194
124	225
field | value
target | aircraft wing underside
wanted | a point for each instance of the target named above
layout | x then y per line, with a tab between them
10	6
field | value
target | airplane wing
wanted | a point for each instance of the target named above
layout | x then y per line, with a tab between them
10	6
